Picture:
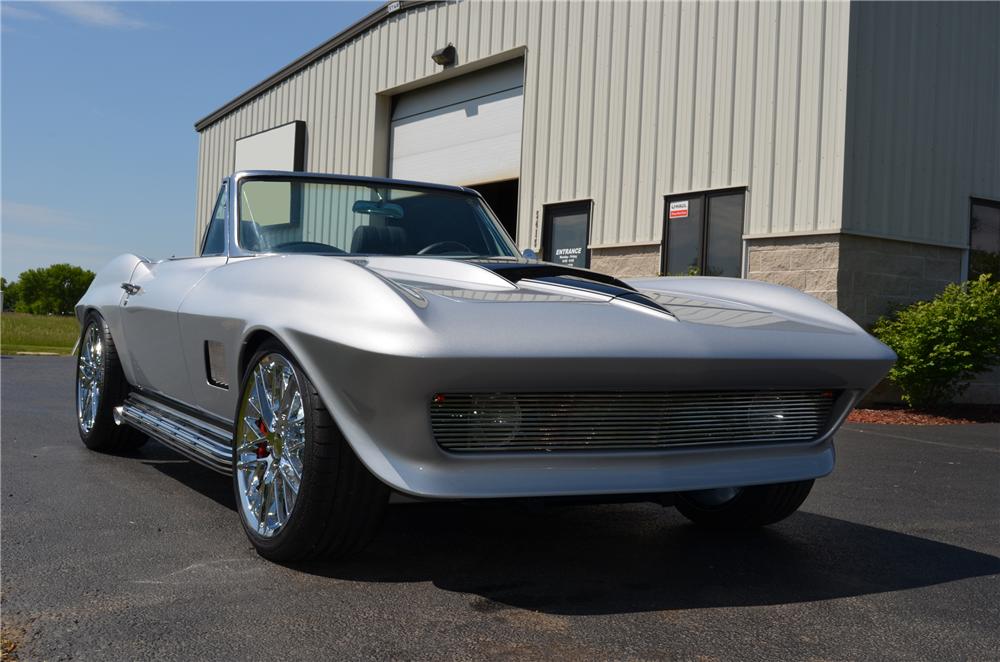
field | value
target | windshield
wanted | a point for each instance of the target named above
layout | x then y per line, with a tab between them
327	217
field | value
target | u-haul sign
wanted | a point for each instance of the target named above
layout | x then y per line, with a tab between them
679	209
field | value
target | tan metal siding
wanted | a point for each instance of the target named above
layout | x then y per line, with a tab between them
923	118
625	103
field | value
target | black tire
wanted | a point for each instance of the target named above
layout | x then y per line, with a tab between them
340	504
104	435
751	507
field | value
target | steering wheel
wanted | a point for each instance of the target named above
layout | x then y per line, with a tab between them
437	248
306	247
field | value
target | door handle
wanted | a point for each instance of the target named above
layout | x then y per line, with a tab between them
130	288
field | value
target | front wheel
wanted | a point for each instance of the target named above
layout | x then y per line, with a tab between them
743	507
302	493
100	387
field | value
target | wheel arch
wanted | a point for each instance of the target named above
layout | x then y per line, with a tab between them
317	370
83	312
81	319
86	311
257	335
251	342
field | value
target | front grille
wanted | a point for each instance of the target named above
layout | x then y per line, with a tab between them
505	422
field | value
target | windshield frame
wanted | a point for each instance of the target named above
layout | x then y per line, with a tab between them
239	178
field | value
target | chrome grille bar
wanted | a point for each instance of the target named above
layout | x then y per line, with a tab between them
517	422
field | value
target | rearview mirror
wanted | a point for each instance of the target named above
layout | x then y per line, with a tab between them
377	208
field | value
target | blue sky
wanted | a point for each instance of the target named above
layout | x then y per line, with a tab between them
99	151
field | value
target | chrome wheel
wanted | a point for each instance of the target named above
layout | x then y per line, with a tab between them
270	444
89	377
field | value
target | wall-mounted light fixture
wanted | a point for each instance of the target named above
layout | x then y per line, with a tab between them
444	56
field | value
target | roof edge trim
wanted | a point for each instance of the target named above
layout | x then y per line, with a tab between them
373	19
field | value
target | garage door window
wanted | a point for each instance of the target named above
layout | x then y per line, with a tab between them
703	234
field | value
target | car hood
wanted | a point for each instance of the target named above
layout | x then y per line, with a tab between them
508	316
720	302
689	329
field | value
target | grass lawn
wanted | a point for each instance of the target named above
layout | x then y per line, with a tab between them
20	332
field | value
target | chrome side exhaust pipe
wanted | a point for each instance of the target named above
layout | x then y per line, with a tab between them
200	441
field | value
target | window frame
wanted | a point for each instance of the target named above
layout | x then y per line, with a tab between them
706	197
982	202
223	196
586	204
236	182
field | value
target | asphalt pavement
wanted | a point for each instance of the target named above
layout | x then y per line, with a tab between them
895	556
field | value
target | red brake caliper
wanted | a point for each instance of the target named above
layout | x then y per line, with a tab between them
262	446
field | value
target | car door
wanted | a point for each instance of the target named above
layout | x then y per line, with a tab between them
150	312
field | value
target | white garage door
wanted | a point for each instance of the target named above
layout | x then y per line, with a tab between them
463	131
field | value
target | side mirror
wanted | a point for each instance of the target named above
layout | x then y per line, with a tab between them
530	254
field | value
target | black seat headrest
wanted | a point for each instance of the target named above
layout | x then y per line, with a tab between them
390	240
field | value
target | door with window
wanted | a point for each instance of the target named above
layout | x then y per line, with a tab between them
567	233
703	234
150	305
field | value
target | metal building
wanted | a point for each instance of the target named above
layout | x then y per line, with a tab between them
850	149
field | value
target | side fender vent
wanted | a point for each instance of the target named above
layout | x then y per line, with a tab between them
215	364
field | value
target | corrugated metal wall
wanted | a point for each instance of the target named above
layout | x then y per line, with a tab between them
625	102
923	119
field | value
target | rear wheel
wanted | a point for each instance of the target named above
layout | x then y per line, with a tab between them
100	387
743	507
302	492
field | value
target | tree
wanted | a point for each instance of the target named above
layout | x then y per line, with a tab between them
49	290
10	293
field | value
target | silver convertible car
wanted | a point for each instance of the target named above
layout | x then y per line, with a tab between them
341	341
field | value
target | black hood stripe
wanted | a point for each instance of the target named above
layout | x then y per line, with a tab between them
571	277
515	271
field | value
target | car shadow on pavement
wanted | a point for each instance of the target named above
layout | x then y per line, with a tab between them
621	558
642	557
213	485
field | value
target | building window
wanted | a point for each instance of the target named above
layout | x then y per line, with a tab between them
984	239
703	234
567	233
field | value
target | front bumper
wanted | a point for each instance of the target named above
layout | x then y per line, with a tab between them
381	403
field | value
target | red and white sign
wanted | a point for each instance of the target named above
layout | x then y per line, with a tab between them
679	209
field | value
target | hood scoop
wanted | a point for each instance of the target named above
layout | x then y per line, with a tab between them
516	271
431	273
572	285
511	280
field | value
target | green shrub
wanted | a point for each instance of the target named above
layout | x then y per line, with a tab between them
944	342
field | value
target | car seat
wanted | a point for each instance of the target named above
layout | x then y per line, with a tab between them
389	240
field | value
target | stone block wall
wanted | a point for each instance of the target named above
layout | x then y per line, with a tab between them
627	261
810	264
864	277
878	276
983	389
